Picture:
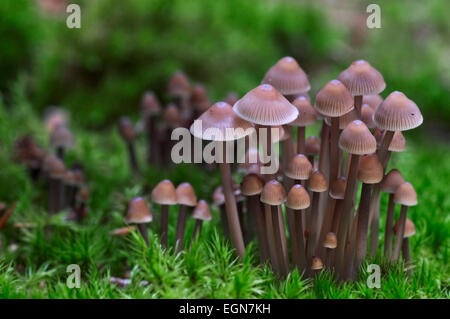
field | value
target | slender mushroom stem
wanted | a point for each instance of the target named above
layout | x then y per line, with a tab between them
231	207
300	239
324	149
350	249
56	194
132	158
346	213
310	250
143	231
288	146
181	226
197	229
335	227
223	219
406	251
300	140
254	208
60	152
388	230
278	228
326	227
334	149
358	102
164	225
399	234
271	239
363	225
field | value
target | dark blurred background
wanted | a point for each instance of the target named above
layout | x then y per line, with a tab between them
125	47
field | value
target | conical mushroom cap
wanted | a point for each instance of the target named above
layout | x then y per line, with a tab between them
372	100
299	167
330	241
362	79
357	139
392	181
334	99
57	169
370	170
410	229
405	195
221	118
171	116
316	263
273	193
317	182
397	113
61	137
337	190
218	196
251	185
287	77
367	115
126	129
298	198
398	143
199	98
201	211
312	146
164	193
150	104
179	85
48	161
186	195
307	115
264	105
138	212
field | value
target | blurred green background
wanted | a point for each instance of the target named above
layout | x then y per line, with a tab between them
125	47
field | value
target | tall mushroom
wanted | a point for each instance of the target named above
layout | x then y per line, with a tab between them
200	213
251	187
370	172
273	195
410	230
406	196
228	127
140	214
128	134
199	99
362	79
330	243
150	108
179	88
186	198
396	113
356	140
61	139
389	185
307	115
164	194
298	200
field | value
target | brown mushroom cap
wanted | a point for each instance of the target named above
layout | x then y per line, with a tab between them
410	229
330	241
264	105
372	100
367	115
362	79
334	99
357	139
201	211
179	85
61	137
317	182
220	116
150	104
199	98
298	198
164	193
126	129
398	143
392	181
218	196
397	113
186	195
337	190
171	116
370	170
405	195
287	77
138	212
57	169
273	193
299	167
312	146
316	263
307	115
54	116
48	161
251	185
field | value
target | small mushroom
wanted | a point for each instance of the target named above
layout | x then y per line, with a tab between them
200	213
140	214
164	194
61	139
219	201
330	243
151	108
56	172
186	198
128	134
410	230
